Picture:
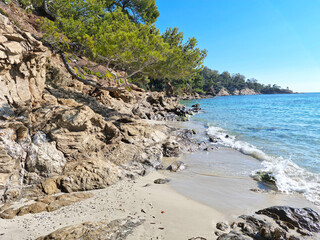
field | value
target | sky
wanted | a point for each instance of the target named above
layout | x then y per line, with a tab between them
273	41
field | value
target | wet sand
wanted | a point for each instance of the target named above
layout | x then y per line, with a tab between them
221	179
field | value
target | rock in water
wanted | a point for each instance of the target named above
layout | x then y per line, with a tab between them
301	218
176	166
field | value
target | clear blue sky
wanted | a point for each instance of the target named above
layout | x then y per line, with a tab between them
274	41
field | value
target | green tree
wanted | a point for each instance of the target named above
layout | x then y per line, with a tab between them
145	11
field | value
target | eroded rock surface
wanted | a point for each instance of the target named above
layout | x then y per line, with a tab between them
43	204
103	230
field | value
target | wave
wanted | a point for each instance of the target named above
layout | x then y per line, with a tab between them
289	176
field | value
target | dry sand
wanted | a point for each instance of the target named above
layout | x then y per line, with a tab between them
183	217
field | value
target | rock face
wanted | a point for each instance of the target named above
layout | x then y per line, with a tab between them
57	134
223	92
103	230
247	91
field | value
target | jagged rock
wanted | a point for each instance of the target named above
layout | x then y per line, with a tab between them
89	175
171	148
301	218
304	221
177	166
103	230
152	156
43	157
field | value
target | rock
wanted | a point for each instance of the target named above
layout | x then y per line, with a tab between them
43	204
213	140
103	230
13	48
9	213
176	166
161	181
196	107
247	91
112	133
222	226
223	92
49	186
152	156
267	178
89	175
171	148
43	157
301	218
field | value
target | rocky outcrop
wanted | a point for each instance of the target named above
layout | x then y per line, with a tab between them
247	91
289	223
59	135
43	204
103	230
223	92
303	219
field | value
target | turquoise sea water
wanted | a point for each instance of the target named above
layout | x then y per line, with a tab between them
283	131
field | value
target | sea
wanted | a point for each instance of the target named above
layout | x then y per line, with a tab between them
281	131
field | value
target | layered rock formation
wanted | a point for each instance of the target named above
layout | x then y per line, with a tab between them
58	135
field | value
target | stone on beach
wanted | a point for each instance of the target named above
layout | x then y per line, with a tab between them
177	166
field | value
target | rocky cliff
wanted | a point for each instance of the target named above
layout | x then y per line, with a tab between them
58	135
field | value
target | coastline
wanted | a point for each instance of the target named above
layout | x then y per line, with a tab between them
62	139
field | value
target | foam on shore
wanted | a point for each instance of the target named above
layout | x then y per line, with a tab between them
289	176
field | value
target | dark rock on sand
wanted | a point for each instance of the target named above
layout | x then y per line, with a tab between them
161	181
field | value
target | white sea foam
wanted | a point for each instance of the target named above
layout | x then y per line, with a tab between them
289	176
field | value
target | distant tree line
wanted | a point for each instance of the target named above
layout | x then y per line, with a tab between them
210	82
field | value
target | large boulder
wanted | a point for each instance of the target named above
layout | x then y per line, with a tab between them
89	175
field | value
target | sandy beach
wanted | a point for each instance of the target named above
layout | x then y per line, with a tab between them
190	205
182	217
